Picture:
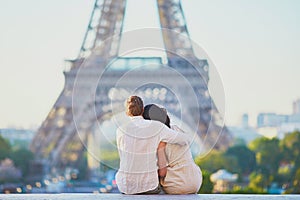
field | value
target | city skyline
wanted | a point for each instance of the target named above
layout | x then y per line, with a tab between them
254	45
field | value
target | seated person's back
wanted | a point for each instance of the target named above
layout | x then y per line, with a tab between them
183	175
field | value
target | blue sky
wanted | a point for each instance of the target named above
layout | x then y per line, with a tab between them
254	44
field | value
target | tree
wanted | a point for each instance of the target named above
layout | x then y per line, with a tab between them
268	154
216	160
291	148
296	182
22	159
207	186
5	148
246	160
258	182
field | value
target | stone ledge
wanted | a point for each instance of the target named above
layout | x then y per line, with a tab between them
74	196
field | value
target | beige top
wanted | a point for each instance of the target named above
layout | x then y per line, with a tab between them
183	175
137	142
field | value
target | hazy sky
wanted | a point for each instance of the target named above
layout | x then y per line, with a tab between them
254	44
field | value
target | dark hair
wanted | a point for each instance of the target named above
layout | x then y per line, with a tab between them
134	106
153	112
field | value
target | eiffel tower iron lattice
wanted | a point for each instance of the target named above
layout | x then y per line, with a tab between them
94	92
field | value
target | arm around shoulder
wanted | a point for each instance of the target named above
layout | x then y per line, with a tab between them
174	137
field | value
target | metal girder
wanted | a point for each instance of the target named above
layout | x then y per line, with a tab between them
106	21
171	17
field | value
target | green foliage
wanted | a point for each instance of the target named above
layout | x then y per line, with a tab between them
291	148
216	160
292	141
268	160
22	159
296	182
258	182
207	186
268	154
5	148
246	160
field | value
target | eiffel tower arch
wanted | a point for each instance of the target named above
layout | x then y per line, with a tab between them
103	76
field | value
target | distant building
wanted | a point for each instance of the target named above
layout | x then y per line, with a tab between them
275	125
270	120
245	134
22	137
295	118
287	128
245	120
296	107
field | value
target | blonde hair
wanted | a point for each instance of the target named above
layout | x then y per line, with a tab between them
134	106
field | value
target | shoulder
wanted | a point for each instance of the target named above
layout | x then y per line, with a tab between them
176	128
149	124
121	130
156	123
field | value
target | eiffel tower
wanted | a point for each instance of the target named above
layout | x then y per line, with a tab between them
100	79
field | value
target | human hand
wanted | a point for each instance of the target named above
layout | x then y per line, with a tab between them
162	172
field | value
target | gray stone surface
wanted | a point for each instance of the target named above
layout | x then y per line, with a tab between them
140	197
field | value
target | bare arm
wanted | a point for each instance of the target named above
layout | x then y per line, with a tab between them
162	160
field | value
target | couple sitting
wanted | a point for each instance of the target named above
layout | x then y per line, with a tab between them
153	155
